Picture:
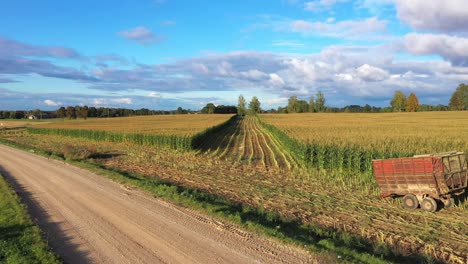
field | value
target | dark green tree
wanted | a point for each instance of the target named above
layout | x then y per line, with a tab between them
61	112
241	110
92	112
312	104
367	108
303	106
320	102
254	106
398	102
71	112
293	105
459	99
83	112
209	109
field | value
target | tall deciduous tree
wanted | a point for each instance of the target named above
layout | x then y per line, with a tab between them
398	102
293	105
241	110
413	103
320	102
459	99
254	105
312	104
303	106
209	109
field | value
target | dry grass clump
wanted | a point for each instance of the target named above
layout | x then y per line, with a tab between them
75	152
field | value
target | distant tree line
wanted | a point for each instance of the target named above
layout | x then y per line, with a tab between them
210	108
315	104
399	103
84	112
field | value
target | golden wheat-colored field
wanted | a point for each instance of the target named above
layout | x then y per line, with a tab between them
180	125
423	132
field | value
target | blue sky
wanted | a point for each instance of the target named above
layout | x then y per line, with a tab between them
162	54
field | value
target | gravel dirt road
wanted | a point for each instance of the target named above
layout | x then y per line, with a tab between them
90	219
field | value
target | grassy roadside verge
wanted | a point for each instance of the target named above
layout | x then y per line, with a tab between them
20	239
331	245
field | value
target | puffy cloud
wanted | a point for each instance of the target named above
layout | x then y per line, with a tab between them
254	75
438	15
371	73
49	102
276	80
346	74
141	35
453	49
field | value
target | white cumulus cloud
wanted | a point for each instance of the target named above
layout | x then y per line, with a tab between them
438	15
49	102
453	49
370	73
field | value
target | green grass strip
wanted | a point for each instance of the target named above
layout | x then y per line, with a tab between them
20	239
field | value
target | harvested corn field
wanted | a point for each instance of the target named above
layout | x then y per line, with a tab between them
179	125
421	132
326	194
247	141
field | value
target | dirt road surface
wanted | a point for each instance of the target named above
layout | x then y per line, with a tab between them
90	219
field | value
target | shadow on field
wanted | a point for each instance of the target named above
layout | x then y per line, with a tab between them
105	155
60	243
12	231
462	198
217	137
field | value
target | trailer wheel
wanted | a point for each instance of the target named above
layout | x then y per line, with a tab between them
429	204
410	201
448	202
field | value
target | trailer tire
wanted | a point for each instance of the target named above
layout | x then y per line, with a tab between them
448	202
428	204
410	201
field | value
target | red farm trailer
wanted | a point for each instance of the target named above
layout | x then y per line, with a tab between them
423	180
